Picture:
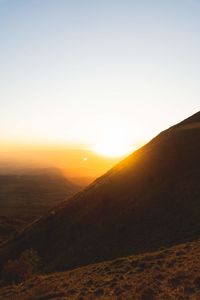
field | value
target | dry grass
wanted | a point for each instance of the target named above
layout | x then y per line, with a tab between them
172	273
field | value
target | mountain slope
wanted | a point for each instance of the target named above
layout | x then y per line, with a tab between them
149	200
172	273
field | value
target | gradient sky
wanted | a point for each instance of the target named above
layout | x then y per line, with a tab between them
81	72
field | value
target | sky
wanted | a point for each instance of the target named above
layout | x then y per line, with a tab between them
101	75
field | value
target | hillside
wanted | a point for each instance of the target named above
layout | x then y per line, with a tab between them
149	200
30	195
172	273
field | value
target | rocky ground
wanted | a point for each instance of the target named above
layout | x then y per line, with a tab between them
172	273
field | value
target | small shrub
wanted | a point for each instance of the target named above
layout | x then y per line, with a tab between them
20	269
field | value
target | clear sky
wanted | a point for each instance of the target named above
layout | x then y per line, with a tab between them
108	73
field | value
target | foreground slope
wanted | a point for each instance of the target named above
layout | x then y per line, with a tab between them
149	200
172	273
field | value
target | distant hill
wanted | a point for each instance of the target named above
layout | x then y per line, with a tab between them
172	273
31	194
149	200
75	163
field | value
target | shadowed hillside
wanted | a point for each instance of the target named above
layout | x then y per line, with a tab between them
149	200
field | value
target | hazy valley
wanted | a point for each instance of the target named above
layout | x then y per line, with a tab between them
26	196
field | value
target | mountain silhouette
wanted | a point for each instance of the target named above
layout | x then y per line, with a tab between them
148	201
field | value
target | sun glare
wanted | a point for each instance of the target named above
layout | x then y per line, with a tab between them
111	149
112	142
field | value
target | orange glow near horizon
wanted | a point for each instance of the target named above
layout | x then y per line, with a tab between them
109	137
73	160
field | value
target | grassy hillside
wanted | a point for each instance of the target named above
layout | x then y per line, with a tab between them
149	200
172	273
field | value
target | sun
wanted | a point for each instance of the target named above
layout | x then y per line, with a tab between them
113	141
111	150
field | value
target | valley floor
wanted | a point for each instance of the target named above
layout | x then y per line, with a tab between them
172	273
